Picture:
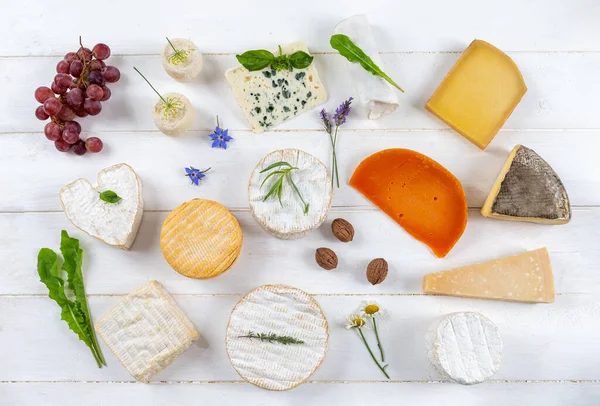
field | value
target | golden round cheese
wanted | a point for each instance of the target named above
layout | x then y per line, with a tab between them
201	239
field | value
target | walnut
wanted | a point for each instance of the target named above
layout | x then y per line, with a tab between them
343	230
377	271
326	258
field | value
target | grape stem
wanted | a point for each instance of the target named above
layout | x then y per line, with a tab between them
156	91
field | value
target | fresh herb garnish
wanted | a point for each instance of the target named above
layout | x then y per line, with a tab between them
178	56
110	197
75	312
273	338
170	107
348	49
259	59
339	118
277	188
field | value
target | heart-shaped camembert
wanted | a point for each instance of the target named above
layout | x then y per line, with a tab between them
114	223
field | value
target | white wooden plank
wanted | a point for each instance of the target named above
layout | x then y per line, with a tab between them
237	26
160	162
561	88
541	342
492	394
265	259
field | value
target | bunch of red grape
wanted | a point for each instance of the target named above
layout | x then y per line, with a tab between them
78	89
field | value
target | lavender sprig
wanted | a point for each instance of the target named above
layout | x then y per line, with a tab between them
339	118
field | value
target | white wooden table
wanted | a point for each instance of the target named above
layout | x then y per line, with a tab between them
552	354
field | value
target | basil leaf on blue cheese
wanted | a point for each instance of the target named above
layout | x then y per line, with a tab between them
269	97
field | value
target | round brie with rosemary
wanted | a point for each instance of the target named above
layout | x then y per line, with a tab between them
293	202
174	117
277	337
184	62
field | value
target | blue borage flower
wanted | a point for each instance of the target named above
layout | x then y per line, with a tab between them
195	174
220	137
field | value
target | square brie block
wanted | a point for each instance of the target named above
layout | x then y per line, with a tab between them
147	331
268	98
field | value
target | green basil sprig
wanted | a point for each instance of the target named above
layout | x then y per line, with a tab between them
259	59
348	49
110	197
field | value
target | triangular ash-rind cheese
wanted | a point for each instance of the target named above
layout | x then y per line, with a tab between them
466	347
528	189
287	220
269	97
114	223
201	239
525	277
281	310
147	331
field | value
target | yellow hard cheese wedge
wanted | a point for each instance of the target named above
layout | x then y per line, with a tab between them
525	277
201	239
479	93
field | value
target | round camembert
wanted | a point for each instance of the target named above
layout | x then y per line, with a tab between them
465	346
201	239
174	120
187	64
287	220
284	311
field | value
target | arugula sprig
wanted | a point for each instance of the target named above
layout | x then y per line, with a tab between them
259	59
282	174
75	312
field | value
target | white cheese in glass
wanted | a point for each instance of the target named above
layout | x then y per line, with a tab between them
177	120
186	67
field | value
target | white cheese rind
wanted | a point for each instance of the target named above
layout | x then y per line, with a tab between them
374	92
147	331
281	310
268	98
465	346
187	69
289	221
178	124
116	224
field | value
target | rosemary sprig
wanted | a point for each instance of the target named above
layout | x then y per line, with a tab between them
277	188
178	56
171	107
272	338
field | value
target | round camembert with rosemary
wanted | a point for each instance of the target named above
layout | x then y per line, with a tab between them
181	59
277	337
465	346
173	114
300	202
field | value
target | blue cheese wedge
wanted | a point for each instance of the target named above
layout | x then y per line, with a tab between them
146	331
465	346
268	98
286	219
284	311
114	223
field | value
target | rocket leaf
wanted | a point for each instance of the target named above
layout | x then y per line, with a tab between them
348	49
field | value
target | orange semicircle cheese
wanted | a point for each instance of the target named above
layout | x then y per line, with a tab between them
418	193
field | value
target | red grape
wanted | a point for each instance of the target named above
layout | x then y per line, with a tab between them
52	131
79	148
41	114
43	93
52	106
73	126
66	113
75	97
95	78
62	67
96	65
63	80
107	93
101	51
85	52
70	137
92	107
94	144
94	92
70	56
80	112
58	89
76	68
111	74
62	146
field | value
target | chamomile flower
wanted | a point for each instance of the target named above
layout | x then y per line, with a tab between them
370	310
355	321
